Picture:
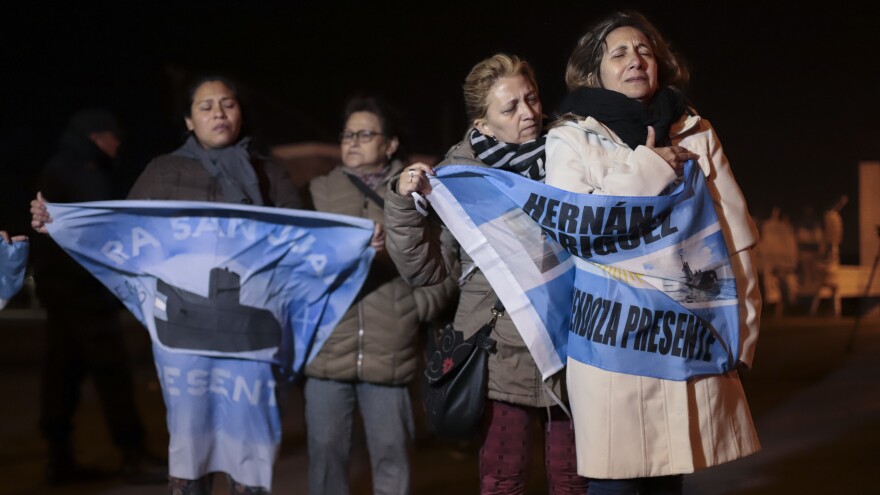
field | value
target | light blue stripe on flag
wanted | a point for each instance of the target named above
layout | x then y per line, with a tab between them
655	270
13	262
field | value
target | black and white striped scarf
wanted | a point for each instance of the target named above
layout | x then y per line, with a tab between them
526	159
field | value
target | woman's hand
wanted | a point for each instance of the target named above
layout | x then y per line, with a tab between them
39	214
378	240
4	237
414	179
675	156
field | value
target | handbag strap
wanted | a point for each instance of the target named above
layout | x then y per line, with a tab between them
499	306
373	195
497	310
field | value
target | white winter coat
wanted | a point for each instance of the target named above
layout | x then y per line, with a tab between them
629	426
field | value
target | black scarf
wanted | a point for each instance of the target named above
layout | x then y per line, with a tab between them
627	117
526	159
232	167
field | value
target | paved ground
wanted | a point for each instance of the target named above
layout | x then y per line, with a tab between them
817	409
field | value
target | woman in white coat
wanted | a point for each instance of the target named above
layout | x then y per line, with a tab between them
627	130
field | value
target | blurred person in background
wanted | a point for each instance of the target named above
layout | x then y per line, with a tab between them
829	254
808	230
84	332
778	253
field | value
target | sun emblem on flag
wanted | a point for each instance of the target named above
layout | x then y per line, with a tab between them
621	275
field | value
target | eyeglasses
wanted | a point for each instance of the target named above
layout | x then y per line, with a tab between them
359	136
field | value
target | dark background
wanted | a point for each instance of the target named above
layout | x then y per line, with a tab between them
791	90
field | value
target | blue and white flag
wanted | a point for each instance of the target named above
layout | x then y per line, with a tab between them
222	416
226	292
221	280
638	285
13	262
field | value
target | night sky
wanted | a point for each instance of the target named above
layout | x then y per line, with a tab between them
792	92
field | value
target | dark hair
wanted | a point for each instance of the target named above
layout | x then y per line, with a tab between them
378	106
89	120
583	65
389	115
197	83
187	100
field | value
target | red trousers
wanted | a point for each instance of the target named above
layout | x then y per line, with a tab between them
506	451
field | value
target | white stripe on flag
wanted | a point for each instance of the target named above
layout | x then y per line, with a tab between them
506	285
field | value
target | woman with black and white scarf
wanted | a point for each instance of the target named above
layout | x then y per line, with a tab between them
504	108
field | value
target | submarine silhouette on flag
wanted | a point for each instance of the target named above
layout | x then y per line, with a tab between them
705	280
219	322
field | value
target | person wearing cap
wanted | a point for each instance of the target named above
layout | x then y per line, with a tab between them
84	332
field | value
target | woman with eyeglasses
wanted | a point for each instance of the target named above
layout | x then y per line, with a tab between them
371	356
506	132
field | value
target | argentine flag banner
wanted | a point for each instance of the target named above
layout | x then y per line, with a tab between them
214	279
225	292
13	261
637	285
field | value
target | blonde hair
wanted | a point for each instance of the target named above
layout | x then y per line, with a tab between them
484	75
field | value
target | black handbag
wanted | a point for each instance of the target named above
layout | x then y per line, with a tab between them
456	378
